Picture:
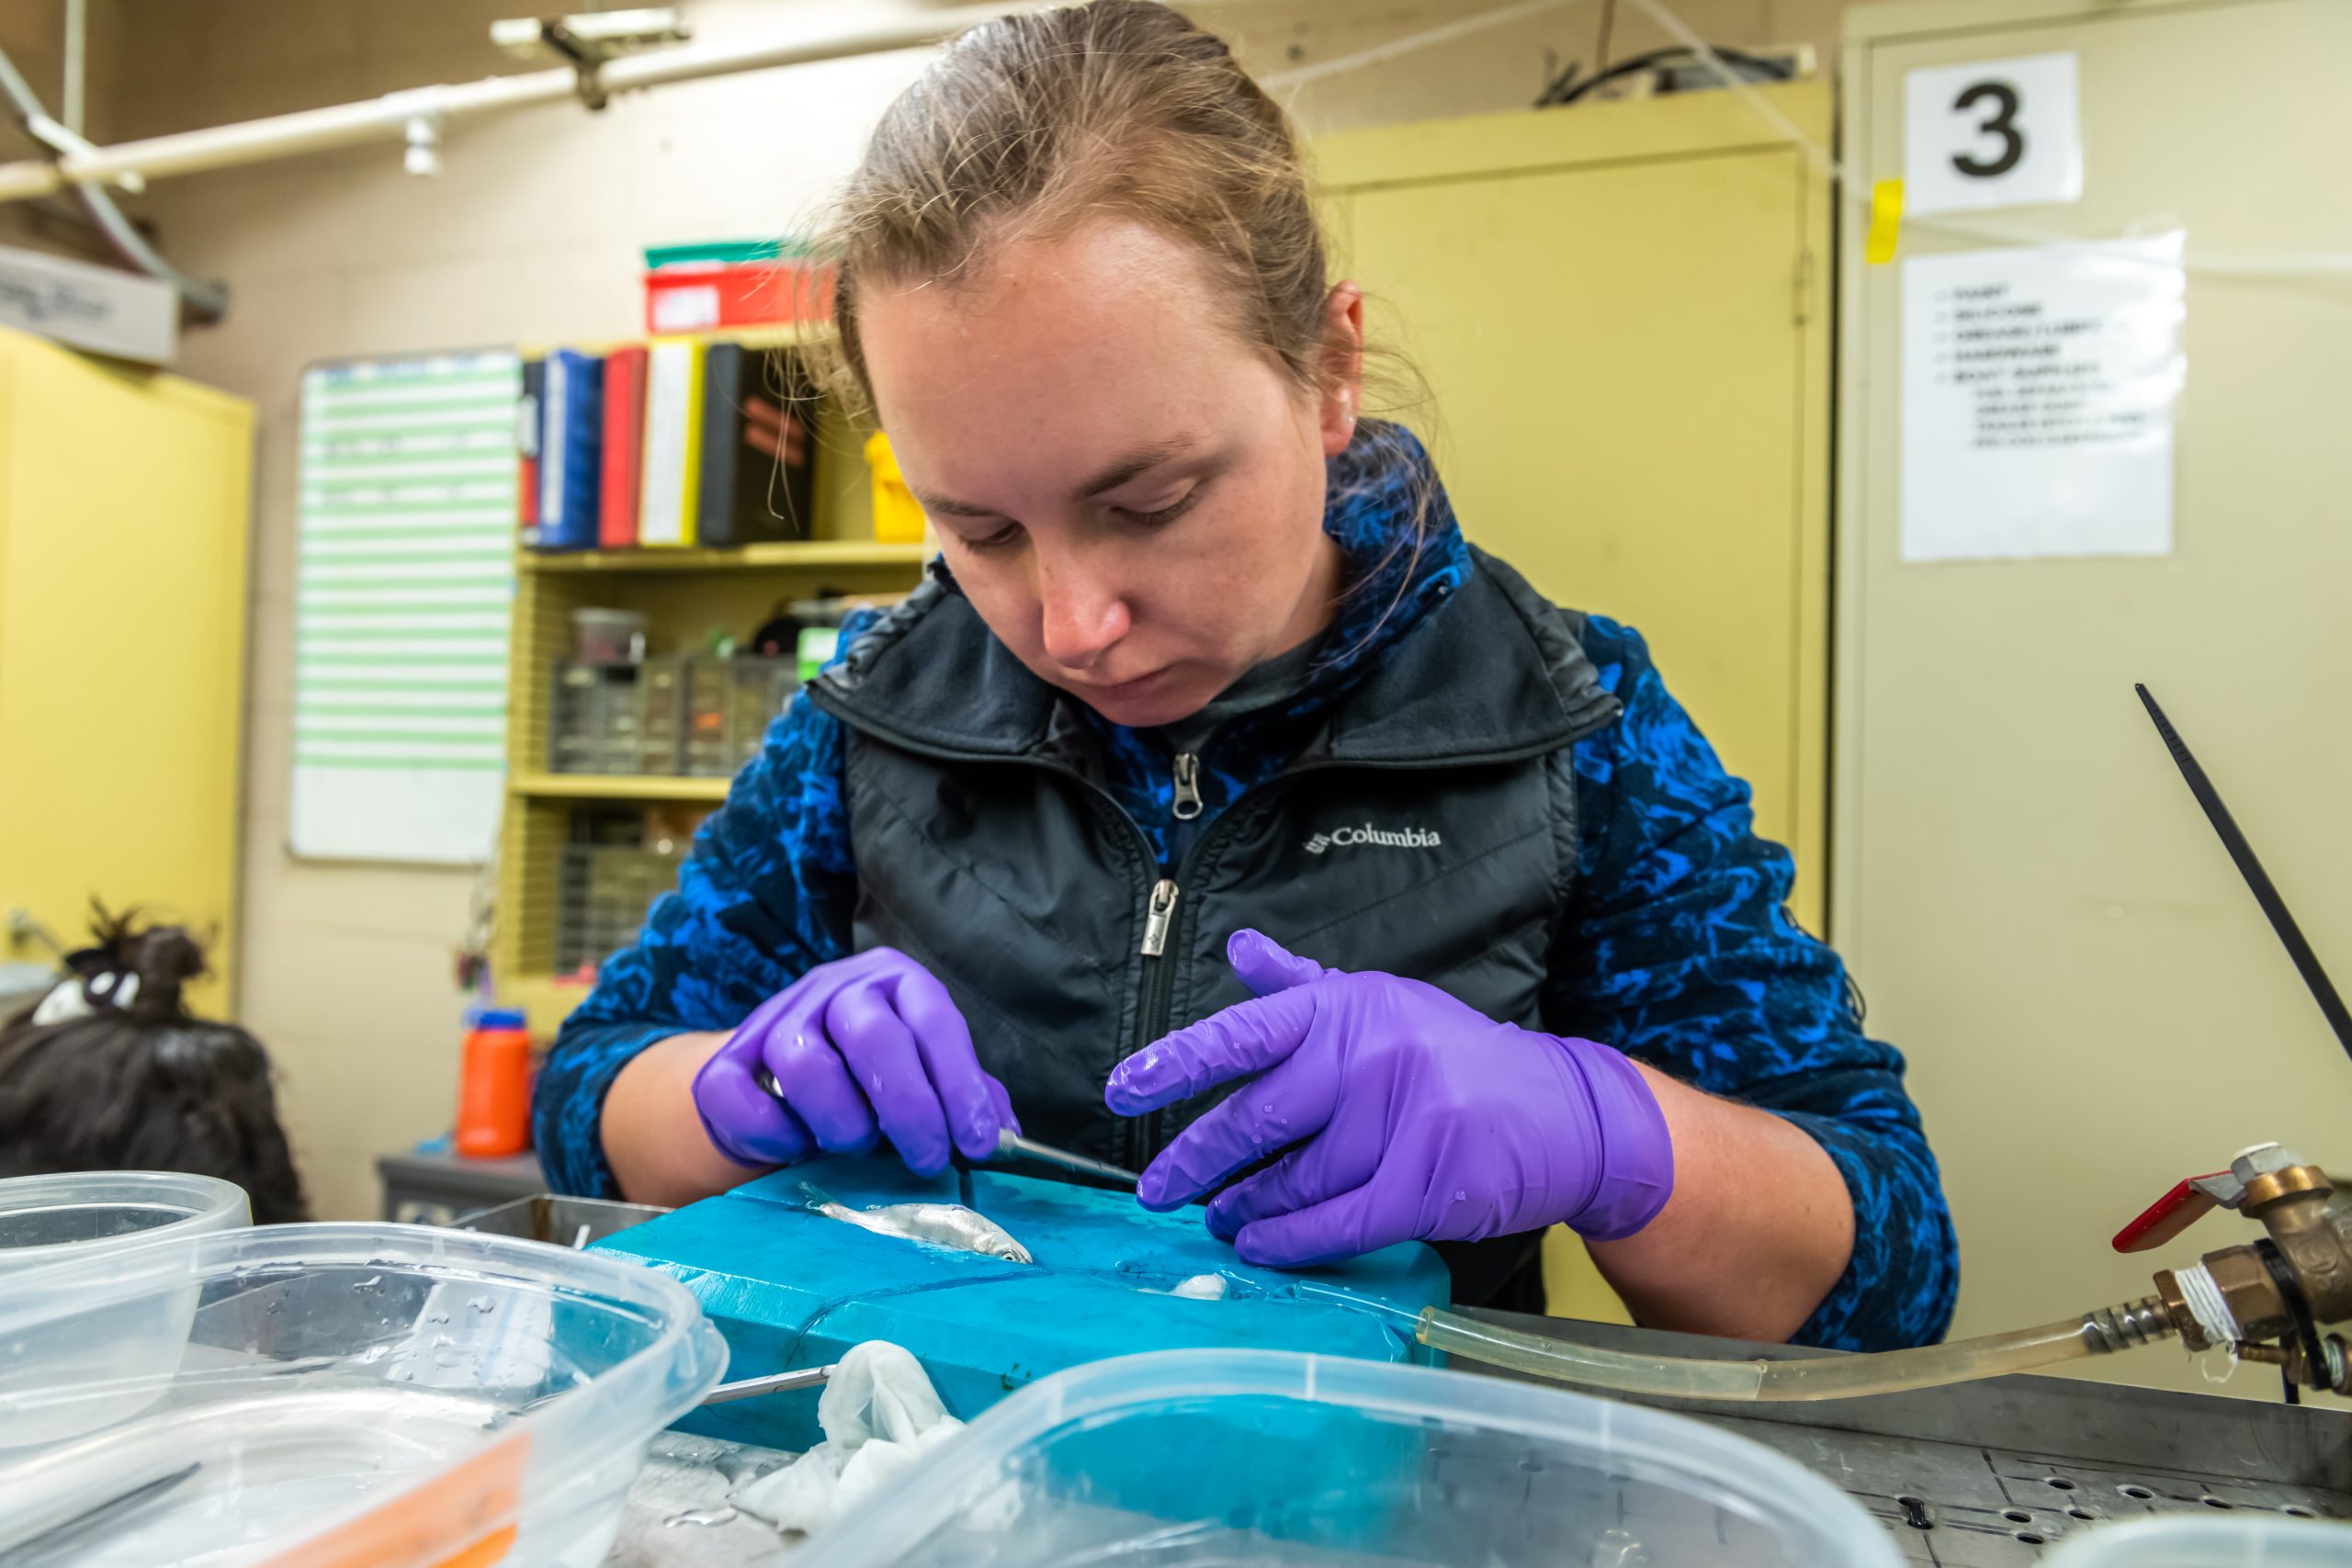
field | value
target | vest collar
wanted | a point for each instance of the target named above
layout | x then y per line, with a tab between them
1492	672
1443	655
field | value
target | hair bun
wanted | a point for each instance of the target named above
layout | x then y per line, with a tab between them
164	958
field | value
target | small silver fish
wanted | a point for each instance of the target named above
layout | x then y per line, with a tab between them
940	1225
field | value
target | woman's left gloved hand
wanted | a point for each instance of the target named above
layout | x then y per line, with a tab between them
1414	1117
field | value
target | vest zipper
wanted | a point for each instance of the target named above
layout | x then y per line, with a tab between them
1143	1138
1161	911
1188	787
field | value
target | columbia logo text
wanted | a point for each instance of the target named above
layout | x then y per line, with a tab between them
1394	839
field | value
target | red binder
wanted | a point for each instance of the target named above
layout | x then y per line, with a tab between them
526	446
623	447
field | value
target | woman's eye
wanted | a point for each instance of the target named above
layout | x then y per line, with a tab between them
1168	513
1002	539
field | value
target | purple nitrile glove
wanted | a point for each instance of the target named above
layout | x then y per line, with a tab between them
1414	1117
861	1049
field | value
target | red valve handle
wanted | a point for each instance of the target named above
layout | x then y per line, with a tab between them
2167	1216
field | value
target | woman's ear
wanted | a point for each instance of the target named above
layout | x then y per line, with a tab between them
1342	366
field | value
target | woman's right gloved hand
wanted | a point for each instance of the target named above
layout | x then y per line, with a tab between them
861	1049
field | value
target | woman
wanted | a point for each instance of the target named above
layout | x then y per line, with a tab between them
1212	753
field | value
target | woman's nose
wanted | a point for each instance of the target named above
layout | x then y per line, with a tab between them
1082	613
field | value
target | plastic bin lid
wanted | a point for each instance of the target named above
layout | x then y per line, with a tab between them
1287	1459
497	1018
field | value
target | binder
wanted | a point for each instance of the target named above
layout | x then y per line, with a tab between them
526	447
668	501
757	447
624	448
572	430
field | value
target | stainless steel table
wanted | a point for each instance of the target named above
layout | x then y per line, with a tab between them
1982	1475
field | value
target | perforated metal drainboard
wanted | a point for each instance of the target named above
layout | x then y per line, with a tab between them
1993	1474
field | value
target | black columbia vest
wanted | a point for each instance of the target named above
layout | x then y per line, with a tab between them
1428	831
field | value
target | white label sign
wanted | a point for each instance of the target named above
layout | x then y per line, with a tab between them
1994	133
2038	392
102	308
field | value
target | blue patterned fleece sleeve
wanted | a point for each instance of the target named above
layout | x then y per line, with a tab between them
765	896
1679	951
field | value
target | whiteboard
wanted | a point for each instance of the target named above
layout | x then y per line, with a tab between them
403	598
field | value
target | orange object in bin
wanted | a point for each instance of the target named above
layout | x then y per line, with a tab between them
495	1086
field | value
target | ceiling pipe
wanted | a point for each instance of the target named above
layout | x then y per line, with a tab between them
388	119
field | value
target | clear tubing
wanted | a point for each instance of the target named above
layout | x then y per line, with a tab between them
1826	1377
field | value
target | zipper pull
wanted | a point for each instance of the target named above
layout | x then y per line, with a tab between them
1188	787
1156	920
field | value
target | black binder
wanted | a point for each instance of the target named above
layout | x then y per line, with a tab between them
759	447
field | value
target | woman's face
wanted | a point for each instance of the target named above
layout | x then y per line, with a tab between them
1130	495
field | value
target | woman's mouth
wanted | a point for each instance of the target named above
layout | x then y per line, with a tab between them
1121	689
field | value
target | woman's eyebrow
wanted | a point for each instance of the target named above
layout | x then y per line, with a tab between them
1141	460
941	505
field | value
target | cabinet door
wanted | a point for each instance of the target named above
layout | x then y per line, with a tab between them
2092	1004
1615	310
1620	312
123	524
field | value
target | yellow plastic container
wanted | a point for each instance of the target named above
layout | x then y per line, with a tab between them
898	517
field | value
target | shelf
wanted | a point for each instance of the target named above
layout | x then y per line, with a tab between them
765	334
617	787
797	555
546	999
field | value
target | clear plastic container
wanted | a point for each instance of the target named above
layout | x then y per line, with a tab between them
608	637
1190	1459
101	1218
383	1394
2200	1540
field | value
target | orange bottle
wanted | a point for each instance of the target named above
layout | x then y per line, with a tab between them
494	1085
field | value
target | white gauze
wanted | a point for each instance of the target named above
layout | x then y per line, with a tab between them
879	1415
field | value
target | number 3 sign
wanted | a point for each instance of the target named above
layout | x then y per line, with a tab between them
1994	133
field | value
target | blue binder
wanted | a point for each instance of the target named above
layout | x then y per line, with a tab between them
571	452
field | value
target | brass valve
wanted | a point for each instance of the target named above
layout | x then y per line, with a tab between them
2283	1288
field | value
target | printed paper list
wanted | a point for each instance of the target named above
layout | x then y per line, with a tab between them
2038	392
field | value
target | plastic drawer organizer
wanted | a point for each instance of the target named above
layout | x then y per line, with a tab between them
683	716
602	894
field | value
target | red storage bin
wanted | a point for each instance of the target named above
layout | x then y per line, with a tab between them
702	296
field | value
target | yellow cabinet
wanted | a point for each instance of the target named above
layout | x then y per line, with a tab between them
123	527
1619	311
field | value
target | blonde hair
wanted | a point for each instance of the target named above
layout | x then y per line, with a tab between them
1029	126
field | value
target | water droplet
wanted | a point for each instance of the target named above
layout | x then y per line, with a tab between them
275	1308
1268	1108
1460	1196
483	1303
436	1317
1616	1549
373	1282
719	1515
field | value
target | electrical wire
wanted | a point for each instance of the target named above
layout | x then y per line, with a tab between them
1759	68
207	301
1412	43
